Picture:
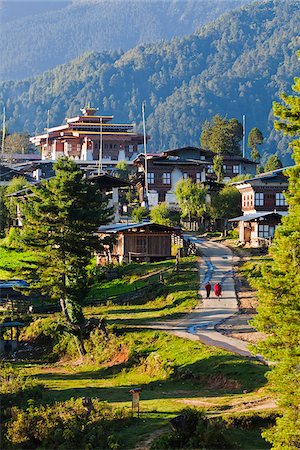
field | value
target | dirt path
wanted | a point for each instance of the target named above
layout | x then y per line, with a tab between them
216	265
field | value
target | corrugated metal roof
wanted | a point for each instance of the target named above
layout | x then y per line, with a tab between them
249	217
116	227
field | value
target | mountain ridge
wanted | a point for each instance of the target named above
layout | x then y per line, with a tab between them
232	67
32	44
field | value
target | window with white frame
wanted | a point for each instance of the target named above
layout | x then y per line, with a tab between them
185	176
224	167
198	177
280	199
210	168
263	231
236	169
259	199
166	178
150	177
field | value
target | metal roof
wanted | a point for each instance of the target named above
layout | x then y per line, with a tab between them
263	176
116	227
249	217
11	324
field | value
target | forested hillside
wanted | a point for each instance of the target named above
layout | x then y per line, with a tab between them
233	66
38	35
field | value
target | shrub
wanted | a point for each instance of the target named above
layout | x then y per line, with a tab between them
192	429
80	423
16	388
233	234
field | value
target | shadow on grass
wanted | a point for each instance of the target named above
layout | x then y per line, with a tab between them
214	375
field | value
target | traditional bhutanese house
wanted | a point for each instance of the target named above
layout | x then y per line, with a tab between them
145	241
8	173
165	169
89	137
108	184
263	205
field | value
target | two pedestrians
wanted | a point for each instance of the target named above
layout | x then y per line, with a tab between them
217	290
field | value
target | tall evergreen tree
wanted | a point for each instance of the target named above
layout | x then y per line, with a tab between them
222	136
279	298
273	163
255	138
61	220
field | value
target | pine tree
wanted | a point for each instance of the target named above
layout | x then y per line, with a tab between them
61	218
255	138
273	163
222	136
279	298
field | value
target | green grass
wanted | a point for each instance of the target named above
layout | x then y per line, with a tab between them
172	372
178	295
130	281
11	261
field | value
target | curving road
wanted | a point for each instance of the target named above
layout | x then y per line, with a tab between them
216	265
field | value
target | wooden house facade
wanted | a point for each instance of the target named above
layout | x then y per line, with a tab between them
263	205
142	242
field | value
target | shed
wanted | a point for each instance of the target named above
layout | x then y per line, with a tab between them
145	241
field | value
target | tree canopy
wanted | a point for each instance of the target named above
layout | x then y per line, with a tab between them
162	214
222	135
255	138
191	198
279	299
273	163
226	204
185	81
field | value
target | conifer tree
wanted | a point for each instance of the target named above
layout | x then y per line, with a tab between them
255	138
279	297
61	218
273	163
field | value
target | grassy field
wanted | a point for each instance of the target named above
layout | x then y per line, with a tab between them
12	260
173	373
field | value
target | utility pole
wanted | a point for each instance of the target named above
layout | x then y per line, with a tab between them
145	153
244	136
48	126
100	149
3	131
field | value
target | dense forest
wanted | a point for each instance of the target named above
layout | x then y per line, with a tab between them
44	35
235	65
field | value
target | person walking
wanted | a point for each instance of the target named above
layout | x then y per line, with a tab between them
218	290
208	289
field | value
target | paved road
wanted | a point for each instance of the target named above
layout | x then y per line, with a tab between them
216	265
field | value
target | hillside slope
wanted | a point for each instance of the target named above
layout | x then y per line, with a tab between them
236	65
37	36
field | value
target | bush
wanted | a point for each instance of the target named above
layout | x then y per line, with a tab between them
192	429
80	423
250	420
16	388
233	234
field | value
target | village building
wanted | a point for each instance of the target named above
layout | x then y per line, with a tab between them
142	242
108	185
164	170
263	205
90	137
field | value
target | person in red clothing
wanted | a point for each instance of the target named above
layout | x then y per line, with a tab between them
218	290
208	289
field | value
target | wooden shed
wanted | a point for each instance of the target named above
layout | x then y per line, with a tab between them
145	241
